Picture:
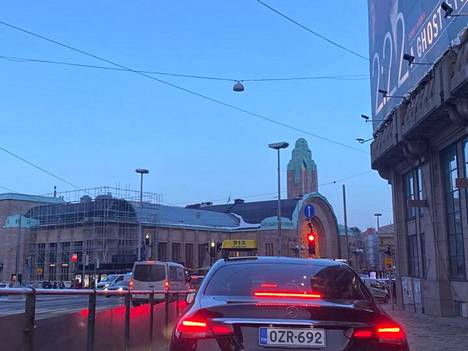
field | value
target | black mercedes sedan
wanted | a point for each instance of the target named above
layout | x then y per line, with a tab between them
279	303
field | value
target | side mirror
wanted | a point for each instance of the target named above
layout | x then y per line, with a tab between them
190	298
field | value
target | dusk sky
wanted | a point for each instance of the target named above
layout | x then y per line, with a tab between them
94	127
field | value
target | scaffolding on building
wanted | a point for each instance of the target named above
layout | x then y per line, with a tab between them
93	231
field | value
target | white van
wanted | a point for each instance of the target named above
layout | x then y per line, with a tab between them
158	276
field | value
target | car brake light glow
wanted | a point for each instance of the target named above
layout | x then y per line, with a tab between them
388	330
268	285
304	295
166	285
199	329
390	334
362	333
193	324
131	284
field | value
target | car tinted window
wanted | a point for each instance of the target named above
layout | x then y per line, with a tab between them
149	273
180	274
332	282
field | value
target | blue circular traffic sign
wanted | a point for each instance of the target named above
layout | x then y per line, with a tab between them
309	211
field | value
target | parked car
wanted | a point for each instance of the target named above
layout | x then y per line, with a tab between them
107	281
158	276
120	284
378	289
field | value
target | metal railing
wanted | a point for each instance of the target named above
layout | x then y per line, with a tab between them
30	309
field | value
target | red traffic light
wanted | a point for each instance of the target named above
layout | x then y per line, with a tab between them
311	237
74	257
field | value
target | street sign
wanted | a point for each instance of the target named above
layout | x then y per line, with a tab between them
239	244
309	211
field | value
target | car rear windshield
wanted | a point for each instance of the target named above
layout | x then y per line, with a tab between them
149	273
330	282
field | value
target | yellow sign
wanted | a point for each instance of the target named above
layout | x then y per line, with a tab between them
388	261
239	244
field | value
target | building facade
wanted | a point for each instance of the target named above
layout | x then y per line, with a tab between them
422	150
14	232
302	171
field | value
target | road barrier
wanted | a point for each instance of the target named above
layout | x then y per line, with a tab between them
24	332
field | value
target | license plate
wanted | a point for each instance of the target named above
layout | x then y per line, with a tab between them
292	337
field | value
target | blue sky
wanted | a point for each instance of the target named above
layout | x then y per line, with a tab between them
94	127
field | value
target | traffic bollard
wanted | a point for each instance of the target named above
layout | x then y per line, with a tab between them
151	306
91	321
166	309
30	312
127	322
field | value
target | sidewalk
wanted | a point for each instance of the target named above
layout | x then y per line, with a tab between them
427	333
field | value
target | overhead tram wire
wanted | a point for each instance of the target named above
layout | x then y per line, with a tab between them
332	182
321	36
179	75
39	167
192	92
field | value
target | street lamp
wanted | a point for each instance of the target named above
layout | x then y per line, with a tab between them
378	215
238	87
278	147
141	172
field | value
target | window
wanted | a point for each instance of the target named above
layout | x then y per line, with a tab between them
65	251
423	254
331	282
202	255
413	257
410	194
162	252
172	273
52	253
269	249
453	204
149	272
189	255
78	249
41	254
176	252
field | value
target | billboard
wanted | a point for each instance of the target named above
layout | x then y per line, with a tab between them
415	27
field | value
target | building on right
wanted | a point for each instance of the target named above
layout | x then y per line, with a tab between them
419	82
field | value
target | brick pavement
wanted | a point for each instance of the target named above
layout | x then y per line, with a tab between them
428	333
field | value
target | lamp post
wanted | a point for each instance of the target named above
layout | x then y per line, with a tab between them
377	216
278	147
141	172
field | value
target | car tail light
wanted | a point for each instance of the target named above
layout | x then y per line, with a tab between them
167	285
390	334
363	333
387	334
278	294
131	284
189	328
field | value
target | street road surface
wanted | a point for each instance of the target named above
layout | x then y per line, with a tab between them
48	306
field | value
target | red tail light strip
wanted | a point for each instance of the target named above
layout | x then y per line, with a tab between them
287	294
201	329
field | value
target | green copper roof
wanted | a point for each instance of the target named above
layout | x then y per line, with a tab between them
30	198
301	159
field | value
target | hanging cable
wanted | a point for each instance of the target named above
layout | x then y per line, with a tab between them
334	43
74	64
181	88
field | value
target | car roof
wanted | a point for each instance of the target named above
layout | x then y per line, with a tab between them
322	262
